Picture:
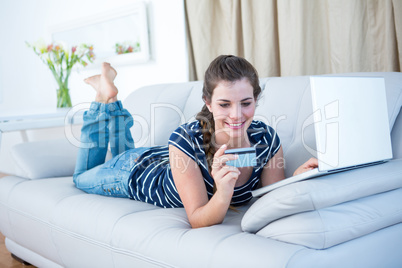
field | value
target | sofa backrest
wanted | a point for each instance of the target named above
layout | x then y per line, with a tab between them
396	137
285	104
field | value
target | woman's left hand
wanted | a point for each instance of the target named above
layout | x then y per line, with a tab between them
312	163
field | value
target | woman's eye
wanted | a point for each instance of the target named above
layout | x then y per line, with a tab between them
224	105
245	104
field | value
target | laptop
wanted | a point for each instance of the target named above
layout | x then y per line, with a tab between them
350	123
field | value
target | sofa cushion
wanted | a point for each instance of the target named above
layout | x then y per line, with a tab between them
322	192
396	137
44	159
54	219
324	228
158	114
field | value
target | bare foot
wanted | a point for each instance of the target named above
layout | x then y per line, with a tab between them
106	91
93	81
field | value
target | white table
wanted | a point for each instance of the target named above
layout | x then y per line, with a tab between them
23	120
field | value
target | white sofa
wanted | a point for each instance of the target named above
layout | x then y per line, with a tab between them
349	219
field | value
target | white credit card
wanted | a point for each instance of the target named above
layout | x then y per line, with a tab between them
246	157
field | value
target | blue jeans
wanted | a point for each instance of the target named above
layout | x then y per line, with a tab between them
104	124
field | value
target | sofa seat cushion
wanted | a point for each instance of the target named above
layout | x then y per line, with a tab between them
60	222
28	205
324	228
321	193
157	237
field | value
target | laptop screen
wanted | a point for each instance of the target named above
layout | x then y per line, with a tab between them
350	121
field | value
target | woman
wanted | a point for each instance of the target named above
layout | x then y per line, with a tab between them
191	171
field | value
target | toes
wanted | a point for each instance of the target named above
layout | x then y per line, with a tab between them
105	64
88	81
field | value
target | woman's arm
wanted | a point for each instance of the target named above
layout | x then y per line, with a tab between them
274	169
190	185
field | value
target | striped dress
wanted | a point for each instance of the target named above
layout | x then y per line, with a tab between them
151	180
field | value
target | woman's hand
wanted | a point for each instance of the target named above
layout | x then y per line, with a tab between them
190	184
225	176
312	163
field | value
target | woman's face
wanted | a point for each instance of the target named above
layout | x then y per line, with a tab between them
233	106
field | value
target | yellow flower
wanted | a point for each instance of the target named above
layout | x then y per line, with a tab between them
40	46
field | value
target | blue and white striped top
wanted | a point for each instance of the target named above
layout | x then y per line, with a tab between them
151	180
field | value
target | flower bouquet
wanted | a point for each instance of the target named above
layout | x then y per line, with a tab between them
60	59
127	47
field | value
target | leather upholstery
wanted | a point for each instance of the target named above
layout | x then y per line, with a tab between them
48	222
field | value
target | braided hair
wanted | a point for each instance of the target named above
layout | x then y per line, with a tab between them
224	68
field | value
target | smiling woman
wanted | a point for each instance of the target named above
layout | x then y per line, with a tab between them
231	90
205	186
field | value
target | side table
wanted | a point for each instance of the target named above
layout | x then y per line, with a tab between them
22	120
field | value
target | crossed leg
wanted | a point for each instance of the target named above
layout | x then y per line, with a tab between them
106	117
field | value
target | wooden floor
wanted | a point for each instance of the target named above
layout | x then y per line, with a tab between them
6	261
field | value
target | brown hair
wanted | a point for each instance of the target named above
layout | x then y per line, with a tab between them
224	68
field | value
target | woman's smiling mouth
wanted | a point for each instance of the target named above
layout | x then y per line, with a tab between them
235	125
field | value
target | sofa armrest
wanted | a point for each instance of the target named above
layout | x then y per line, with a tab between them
326	211
327	227
396	137
322	192
44	159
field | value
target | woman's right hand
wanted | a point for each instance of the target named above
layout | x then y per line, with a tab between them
202	211
225	176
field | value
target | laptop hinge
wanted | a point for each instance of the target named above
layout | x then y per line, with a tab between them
357	166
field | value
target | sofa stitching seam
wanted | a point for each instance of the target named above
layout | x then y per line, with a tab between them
106	246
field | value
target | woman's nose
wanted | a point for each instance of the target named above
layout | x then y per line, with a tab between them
235	112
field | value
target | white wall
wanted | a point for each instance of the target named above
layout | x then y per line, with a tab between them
27	83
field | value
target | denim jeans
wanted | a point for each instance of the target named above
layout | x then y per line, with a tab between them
104	124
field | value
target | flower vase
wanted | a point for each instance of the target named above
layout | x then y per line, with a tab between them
63	97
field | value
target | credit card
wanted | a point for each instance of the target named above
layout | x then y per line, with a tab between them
247	157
